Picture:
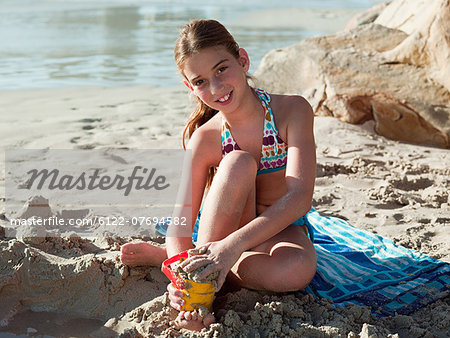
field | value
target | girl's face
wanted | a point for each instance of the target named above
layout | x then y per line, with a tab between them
216	77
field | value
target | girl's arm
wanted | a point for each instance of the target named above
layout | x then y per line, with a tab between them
192	187
300	177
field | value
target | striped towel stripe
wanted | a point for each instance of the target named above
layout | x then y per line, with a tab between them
358	267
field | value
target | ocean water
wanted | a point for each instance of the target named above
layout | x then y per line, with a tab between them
64	43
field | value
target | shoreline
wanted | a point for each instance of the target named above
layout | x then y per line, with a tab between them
141	62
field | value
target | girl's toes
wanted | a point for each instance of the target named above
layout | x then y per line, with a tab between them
208	320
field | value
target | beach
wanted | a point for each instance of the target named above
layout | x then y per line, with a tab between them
360	177
67	285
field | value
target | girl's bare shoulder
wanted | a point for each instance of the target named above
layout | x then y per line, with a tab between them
206	141
289	109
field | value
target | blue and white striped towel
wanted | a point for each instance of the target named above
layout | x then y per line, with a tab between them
356	266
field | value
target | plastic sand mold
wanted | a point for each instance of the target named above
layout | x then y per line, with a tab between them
195	294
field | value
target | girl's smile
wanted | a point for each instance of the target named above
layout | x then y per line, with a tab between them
216	77
224	100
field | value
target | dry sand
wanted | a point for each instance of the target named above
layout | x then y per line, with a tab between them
75	286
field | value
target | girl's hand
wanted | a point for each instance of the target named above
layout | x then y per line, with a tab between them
215	257
175	297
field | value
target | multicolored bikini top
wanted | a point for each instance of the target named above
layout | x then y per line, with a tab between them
274	150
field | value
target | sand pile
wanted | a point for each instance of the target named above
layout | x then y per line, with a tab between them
290	315
77	281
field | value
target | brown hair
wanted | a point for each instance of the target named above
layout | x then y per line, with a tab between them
195	36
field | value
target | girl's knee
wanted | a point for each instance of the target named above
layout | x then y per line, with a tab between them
296	273
305	271
238	162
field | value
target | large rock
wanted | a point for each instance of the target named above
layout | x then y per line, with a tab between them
427	24
388	74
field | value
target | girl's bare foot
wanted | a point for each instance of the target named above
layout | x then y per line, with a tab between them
134	254
192	320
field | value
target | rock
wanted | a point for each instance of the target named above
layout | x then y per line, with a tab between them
31	330
427	24
369	331
354	76
367	16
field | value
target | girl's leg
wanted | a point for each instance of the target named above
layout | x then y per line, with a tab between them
135	254
231	200
285	262
231	203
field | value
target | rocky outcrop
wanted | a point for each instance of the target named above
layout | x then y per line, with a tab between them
367	16
427	24
396	75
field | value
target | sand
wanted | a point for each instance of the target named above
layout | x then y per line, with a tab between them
314	20
73	286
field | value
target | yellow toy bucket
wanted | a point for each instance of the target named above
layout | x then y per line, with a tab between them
195	294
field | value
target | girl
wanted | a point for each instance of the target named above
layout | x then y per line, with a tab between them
255	152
